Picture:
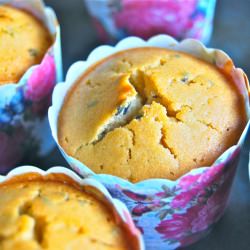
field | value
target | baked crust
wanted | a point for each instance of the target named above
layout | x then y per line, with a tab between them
185	113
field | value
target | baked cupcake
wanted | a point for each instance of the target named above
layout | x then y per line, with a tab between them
30	66
24	42
54	211
171	114
150	113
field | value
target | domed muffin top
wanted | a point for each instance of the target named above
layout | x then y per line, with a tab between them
150	113
23	42
49	215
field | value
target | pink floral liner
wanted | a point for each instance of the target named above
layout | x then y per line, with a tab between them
117	19
24	127
177	213
120	211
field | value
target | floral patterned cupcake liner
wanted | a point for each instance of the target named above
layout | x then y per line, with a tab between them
119	210
116	19
24	128
170	214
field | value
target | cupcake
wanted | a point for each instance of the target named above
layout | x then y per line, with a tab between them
150	113
57	210
161	124
30	65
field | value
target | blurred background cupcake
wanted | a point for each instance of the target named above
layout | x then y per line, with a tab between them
116	19
30	66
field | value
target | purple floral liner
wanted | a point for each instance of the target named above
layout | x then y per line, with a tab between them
119	210
24	128
117	19
170	214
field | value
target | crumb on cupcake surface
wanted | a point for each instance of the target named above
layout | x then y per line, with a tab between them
39	215
150	113
24	41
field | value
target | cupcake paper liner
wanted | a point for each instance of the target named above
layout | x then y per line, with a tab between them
117	19
24	128
170	214
92	186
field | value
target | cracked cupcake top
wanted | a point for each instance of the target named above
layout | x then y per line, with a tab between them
150	113
50	215
24	41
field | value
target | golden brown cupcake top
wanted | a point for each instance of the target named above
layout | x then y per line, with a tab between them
50	215
24	41
150	113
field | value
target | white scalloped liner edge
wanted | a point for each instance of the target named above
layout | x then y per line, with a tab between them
116	204
191	46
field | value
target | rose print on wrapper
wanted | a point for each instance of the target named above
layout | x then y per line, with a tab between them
196	219
147	18
186	211
42	80
180	19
